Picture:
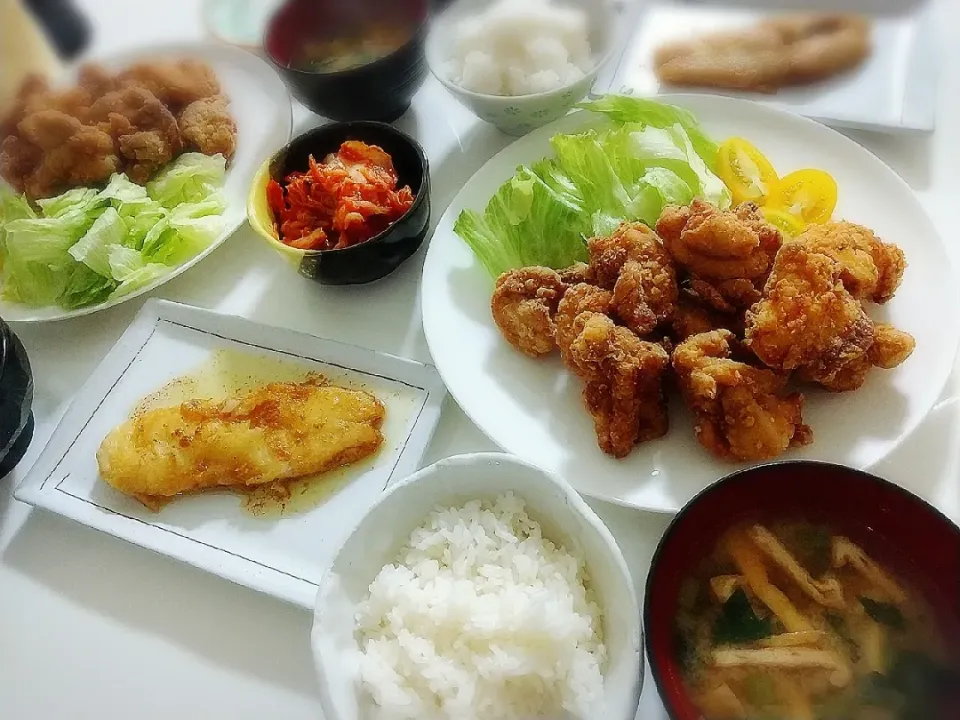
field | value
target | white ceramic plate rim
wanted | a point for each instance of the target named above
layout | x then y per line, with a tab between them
216	559
12	311
436	336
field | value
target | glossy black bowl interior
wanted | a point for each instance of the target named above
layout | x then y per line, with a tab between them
382	254
16	400
380	90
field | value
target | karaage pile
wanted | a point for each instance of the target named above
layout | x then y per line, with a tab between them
716	304
134	122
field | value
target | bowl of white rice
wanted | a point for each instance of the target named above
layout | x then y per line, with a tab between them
480	588
520	64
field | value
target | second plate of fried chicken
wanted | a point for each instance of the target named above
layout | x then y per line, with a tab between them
706	341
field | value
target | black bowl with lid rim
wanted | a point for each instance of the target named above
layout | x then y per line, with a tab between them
378	90
16	400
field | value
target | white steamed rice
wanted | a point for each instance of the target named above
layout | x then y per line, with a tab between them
520	47
482	618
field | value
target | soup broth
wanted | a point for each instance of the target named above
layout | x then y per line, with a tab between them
792	621
350	51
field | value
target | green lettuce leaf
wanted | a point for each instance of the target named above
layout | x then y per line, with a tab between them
670	148
646	156
93	249
525	223
141	278
624	109
37	262
85	287
121	190
76	200
191	178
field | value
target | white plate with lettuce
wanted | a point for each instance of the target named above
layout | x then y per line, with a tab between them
92	248
533	408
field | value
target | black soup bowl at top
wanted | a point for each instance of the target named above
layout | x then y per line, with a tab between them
383	253
351	59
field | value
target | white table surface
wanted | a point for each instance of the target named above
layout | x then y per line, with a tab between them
91	627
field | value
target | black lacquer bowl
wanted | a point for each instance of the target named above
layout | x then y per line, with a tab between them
16	400
382	254
378	90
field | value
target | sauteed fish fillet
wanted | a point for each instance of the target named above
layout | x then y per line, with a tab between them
279	431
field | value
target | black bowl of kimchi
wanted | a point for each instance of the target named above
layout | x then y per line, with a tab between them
373	258
16	400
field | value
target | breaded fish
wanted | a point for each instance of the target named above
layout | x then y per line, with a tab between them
279	431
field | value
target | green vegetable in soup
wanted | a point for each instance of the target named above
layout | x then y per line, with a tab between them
884	613
738	623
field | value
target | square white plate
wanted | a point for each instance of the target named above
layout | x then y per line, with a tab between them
281	555
894	89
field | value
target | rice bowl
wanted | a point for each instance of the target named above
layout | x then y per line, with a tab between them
568	525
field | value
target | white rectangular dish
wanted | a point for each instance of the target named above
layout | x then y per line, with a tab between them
279	554
894	90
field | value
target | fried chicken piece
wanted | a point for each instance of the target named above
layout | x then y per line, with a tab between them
276	432
32	91
789	50
73	153
207	126
725	296
577	302
742	412
18	161
145	130
806	318
870	268
692	318
718	244
175	83
633	263
577	273
96	79
624	384
889	349
524	303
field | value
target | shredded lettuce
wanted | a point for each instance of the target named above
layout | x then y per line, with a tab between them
87	245
191	178
648	156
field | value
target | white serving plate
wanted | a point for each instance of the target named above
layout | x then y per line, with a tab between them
285	556
533	408
894	89
261	106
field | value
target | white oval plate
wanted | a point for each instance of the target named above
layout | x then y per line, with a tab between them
261	106
533	408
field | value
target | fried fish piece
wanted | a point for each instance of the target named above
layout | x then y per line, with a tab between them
276	432
742	412
523	305
624	378
788	50
870	268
